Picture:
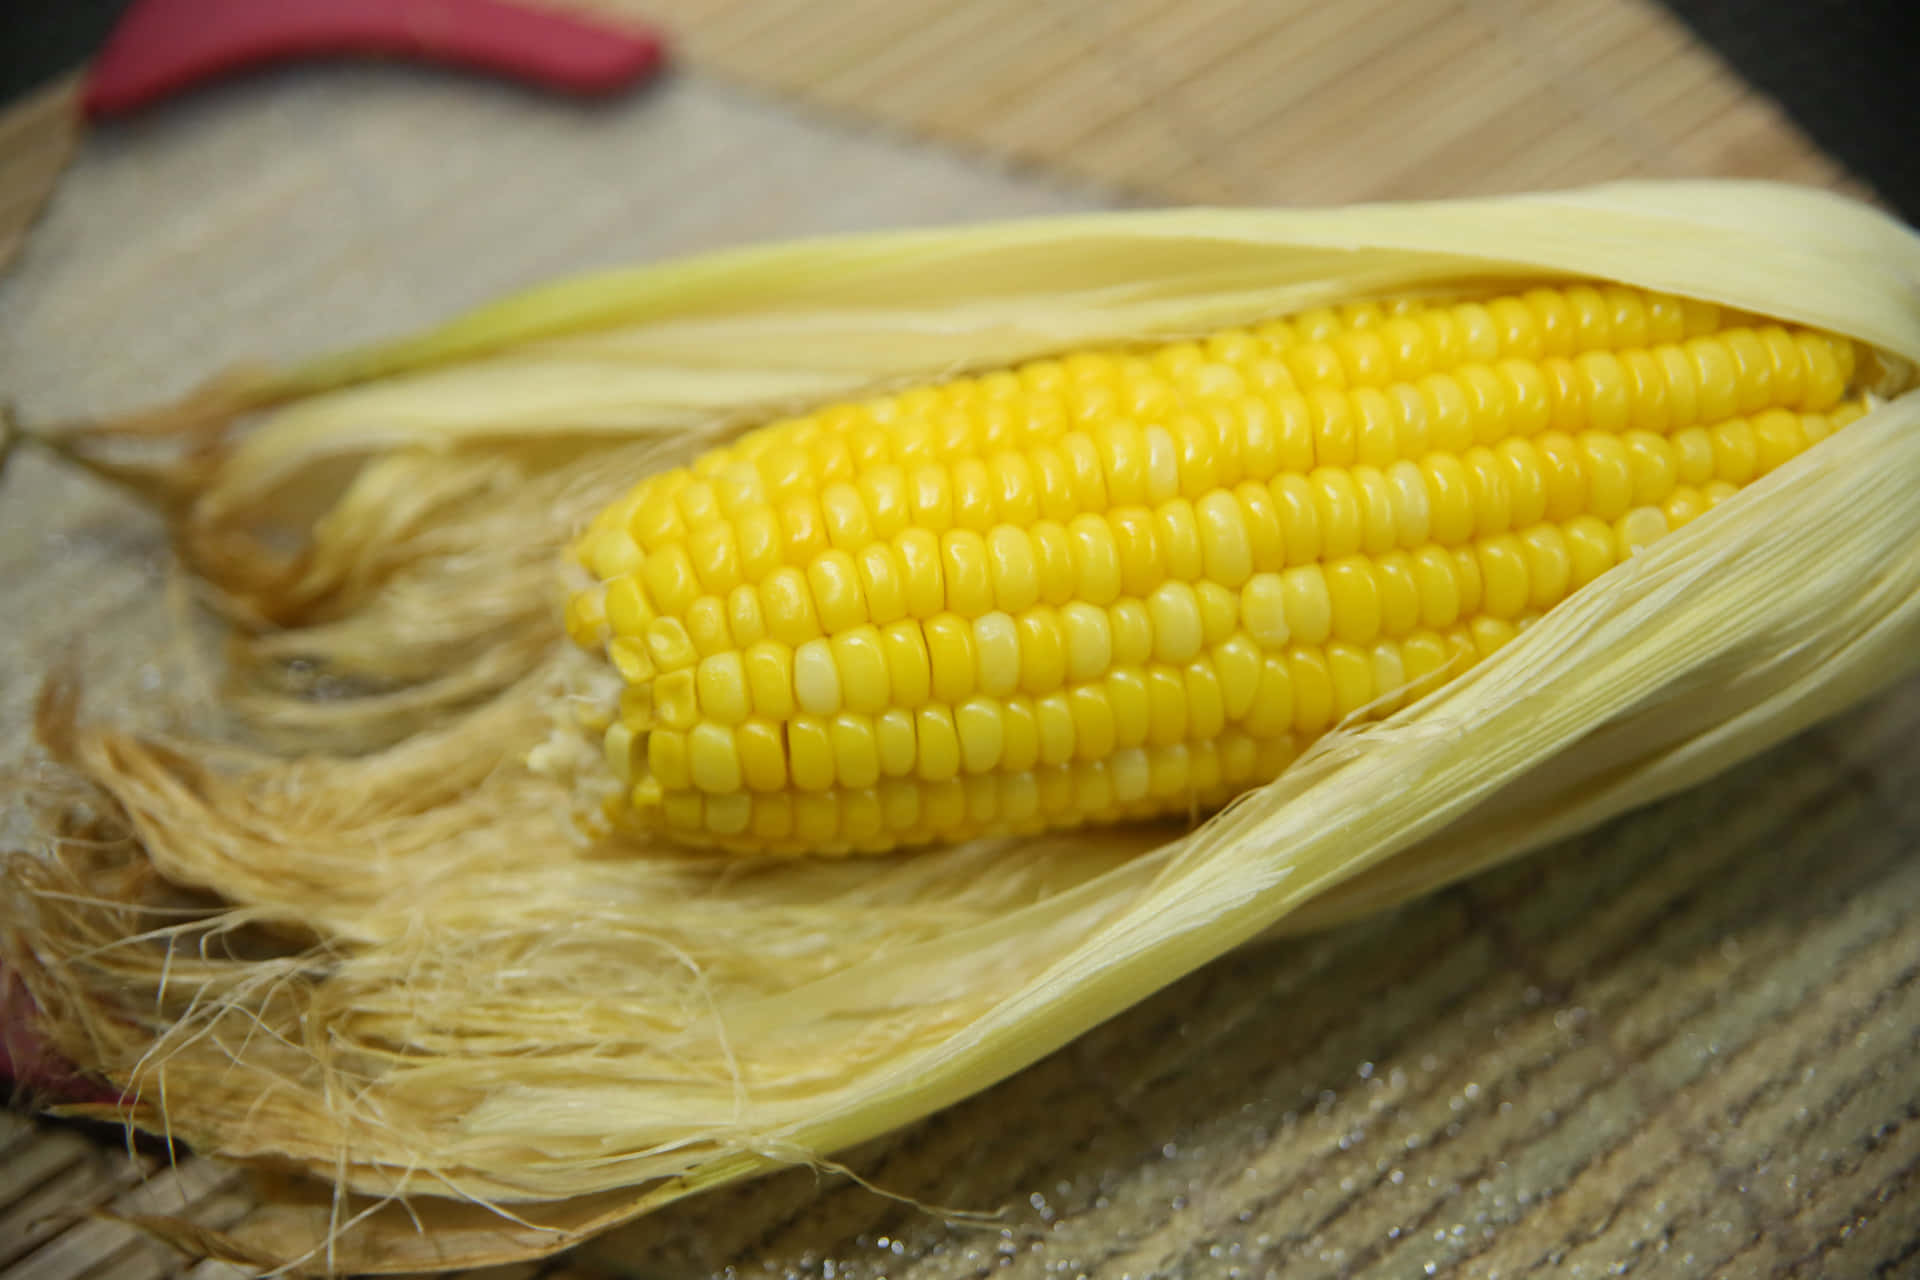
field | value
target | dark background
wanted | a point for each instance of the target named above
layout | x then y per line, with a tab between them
1843	69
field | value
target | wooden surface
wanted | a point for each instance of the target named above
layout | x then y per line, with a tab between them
1681	1045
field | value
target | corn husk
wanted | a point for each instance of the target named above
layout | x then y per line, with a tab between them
351	934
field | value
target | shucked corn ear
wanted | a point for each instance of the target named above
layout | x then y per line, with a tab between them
1430	422
1135	581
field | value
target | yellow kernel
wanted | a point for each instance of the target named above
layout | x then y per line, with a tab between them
1716	380
816	678
1092	721
893	742
930	498
1549	565
1019	735
1449	418
1131	776
1012	569
1684	506
586	618
1350	669
1262	523
1175	614
1489	494
1053	562
1206	706
1177	534
1466	570
612	553
835	583
1219	611
1787	371
1308	605
1590	545
768	668
1399	593
996	652
1053	715
1563	475
1271	711
1132	629
1237	662
1424	656
1693	455
918	551
864	684
881	584
667	759
1163	465
1137	548
706	624
1335	433
1043	659
950	640
1312	690
1490	635
1096	560
626	606
974	509
1224	543
1407	495
669	645
712	762
1127	698
1338	500
1016	497
977	722
617	747
856	756
1653	464
1089	641
1123	457
1609	475
1778	439
630	659
1438	582
939	744
763	756
1263	609
1166	705
1505	589
722	685
1736	454
786	603
1353	597
670	581
963	555
1389	676
1449	498
1639	529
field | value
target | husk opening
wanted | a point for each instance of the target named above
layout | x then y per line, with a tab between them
418	984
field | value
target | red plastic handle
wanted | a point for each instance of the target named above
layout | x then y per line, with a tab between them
164	46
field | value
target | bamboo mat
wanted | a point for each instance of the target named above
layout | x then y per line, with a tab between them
1682	1045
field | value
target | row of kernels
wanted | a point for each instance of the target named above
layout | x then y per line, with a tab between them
1224	539
897	812
1703	381
1681	377
1301	688
1416	340
1354	599
1119	463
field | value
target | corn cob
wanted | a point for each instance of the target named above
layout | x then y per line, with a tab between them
1136	582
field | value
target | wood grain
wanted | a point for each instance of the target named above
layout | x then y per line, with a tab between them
1682	1045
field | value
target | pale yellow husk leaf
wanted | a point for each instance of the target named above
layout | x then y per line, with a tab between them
421	984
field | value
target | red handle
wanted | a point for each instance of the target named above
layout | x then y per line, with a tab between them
164	46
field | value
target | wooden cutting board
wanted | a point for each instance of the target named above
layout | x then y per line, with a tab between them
1679	1045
